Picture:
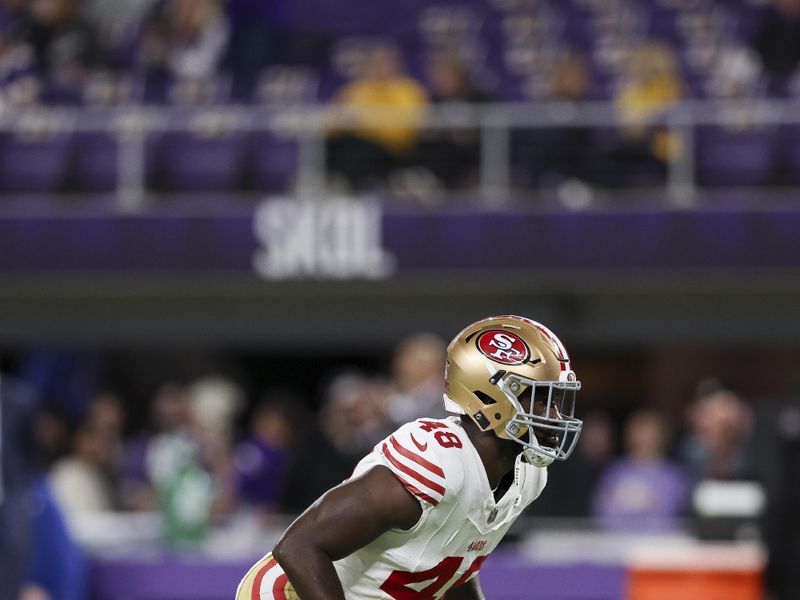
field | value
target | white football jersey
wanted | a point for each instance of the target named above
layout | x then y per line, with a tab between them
460	524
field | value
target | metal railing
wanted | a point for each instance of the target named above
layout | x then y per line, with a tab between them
309	125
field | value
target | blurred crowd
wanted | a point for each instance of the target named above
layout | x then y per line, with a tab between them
217	51
51	51
60	51
206	440
209	453
642	475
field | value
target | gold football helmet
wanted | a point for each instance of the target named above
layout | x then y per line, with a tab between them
512	376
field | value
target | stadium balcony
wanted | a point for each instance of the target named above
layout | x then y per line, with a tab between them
549	155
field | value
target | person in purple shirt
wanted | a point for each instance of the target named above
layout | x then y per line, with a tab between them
261	458
644	489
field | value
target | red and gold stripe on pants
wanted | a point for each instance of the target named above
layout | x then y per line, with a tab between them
266	581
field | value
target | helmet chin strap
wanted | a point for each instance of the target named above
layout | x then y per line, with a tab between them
536	459
532	455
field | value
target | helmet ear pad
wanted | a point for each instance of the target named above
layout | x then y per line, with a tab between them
489	408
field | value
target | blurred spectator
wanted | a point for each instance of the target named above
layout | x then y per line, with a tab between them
106	417
186	491
553	156
114	18
53	433
449	80
62	379
107	414
58	569
169	413
643	489
570	487
652	84
214	404
181	40
17	472
418	378
38	558
778	454
183	466
260	36
79	480
176	474
777	41
736	75
262	457
365	149
350	423
65	46
452	154
718	446
15	10
19	85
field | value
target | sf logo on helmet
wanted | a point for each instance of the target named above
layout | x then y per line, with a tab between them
503	347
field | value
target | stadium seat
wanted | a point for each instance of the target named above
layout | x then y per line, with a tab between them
790	159
190	162
34	162
727	157
272	162
287	85
94	165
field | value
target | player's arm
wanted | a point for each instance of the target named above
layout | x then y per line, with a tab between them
343	520
470	590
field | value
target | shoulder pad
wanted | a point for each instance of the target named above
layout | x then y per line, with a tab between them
426	456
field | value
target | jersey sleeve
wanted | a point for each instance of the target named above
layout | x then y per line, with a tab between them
421	464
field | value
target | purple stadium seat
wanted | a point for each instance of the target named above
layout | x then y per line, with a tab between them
287	85
95	162
187	162
272	162
790	146
37	164
728	157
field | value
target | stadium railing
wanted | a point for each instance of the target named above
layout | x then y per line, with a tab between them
309	126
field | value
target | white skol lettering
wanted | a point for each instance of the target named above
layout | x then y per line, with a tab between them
330	240
287	234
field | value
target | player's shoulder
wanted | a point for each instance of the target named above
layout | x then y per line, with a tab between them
429	456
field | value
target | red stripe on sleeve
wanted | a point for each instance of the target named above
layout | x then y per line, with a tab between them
417	492
255	593
279	589
411	473
435	469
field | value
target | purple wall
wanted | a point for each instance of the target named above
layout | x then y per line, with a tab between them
505	576
418	241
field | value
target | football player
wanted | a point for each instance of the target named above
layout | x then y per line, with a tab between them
423	511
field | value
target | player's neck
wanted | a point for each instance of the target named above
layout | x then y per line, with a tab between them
498	456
